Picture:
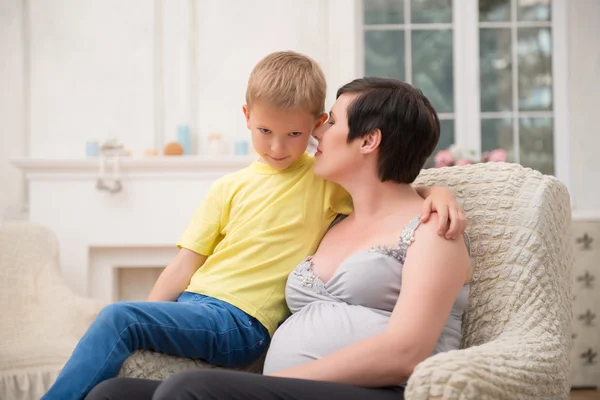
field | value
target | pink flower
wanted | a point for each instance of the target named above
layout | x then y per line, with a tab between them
443	158
463	162
498	155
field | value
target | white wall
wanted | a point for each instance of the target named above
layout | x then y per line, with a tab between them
12	118
114	68
584	103
91	74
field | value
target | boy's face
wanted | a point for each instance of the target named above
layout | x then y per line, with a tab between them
280	137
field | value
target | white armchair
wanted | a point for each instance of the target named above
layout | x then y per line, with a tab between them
517	330
41	319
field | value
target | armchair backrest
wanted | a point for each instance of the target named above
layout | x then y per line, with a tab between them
519	226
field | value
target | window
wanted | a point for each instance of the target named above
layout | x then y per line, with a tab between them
413	41
486	65
515	54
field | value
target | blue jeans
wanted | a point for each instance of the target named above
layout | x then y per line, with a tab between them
195	326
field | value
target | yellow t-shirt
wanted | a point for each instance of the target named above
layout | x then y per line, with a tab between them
255	226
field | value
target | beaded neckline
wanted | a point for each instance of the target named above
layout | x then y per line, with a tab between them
309	279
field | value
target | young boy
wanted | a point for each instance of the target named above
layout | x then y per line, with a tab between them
222	296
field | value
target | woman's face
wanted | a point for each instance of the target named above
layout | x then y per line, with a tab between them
335	157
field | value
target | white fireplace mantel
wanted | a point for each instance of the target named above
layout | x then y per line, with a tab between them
64	169
138	226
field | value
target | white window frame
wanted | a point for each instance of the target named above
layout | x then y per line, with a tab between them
346	62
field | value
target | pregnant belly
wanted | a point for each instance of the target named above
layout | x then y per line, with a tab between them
319	329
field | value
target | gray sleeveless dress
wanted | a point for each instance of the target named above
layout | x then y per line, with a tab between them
355	304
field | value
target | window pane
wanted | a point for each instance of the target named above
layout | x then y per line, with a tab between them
494	10
495	70
432	67
534	10
384	54
535	68
446	140
383	12
498	134
537	144
431	11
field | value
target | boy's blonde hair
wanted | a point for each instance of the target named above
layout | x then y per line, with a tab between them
287	79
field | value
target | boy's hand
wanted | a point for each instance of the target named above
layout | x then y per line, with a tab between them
452	221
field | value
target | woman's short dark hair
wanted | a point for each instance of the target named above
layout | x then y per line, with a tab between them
409	125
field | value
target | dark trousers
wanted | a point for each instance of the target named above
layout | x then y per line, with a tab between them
233	385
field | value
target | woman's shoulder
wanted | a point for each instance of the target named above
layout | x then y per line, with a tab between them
428	245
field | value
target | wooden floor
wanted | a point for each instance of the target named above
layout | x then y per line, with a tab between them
585	395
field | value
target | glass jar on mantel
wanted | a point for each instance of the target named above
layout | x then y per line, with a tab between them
216	145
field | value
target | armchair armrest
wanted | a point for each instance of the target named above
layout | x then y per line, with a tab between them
76	312
516	365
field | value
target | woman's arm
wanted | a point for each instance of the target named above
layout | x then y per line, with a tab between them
432	276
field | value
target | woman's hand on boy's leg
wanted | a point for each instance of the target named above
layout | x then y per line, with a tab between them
452	220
